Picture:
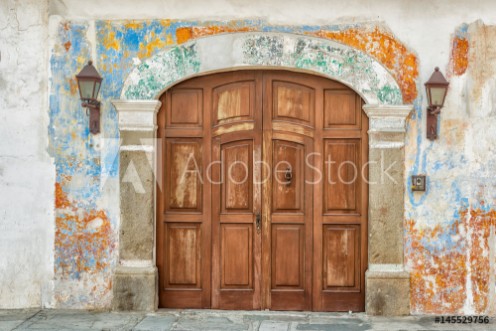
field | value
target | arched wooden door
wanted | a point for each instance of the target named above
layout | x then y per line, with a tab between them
262	197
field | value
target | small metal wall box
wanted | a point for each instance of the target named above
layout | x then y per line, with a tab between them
418	183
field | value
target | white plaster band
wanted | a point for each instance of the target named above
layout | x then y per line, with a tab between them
138	148
386	144
136	263
389	267
138	128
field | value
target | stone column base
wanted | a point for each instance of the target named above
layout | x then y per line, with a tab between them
387	290
135	288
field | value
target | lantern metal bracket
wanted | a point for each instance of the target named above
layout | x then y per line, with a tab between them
93	107
432	113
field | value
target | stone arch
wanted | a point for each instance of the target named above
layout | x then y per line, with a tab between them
327	58
135	279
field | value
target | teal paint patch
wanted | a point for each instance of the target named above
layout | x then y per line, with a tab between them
162	71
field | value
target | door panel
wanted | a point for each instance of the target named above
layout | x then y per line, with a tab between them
289	180
289	113
183	258
183	203
341	257
288	251
342	172
262	202
292	101
236	239
184	175
291	220
236	154
234	102
340	109
185	109
237	192
236	256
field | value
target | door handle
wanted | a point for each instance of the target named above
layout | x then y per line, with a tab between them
258	221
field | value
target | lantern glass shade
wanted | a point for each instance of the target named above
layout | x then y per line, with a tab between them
436	88
86	89
436	96
97	89
89	81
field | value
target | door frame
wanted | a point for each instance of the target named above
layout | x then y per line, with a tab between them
135	279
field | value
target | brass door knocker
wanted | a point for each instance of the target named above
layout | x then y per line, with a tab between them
288	176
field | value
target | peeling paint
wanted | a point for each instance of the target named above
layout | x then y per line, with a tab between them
438	274
85	233
452	264
388	50
460	46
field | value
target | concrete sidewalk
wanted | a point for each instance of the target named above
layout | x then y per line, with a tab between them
218	320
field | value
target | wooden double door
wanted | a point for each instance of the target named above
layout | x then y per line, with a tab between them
262	193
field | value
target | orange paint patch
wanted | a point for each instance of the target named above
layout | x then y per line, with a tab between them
215	29
73	86
61	200
148	48
67	46
387	50
134	25
183	34
459	56
438	276
109	41
482	225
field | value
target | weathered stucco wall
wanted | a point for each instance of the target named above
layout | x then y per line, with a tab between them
451	229
450	234
27	173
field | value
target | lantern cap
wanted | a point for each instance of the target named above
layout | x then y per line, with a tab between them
437	78
89	72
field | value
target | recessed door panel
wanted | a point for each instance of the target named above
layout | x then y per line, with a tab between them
183	255
341	109
288	188
184	174
288	249
236	256
342	176
341	245
237	178
185	109
292	102
234	102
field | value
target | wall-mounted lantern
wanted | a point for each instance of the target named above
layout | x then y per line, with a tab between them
89	81
437	88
